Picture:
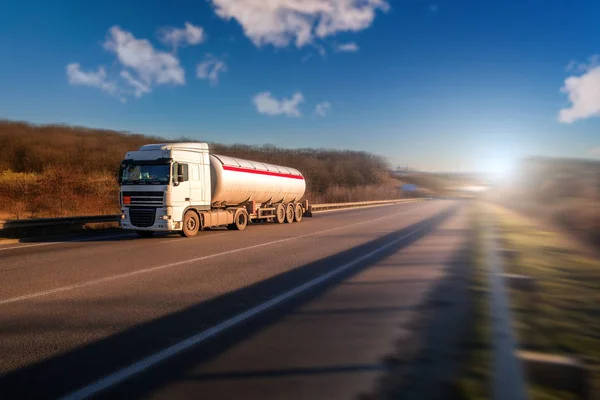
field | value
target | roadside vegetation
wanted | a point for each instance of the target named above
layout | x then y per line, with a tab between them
59	170
563	317
473	380
562	192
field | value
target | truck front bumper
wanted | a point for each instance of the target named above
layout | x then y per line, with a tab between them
162	221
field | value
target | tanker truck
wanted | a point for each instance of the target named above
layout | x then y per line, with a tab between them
183	187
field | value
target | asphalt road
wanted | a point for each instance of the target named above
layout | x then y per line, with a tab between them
226	314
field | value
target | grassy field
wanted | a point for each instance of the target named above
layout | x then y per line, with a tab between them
564	317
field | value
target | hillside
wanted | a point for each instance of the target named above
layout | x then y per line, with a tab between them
59	170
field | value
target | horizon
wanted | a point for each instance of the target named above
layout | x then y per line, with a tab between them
441	86
393	168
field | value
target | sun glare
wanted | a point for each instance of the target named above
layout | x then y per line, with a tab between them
500	168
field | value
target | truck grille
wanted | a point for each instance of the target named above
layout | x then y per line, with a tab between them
145	198
142	217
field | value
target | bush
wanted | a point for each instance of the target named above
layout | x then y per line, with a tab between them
59	170
55	193
17	191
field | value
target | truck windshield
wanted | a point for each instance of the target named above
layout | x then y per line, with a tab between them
146	174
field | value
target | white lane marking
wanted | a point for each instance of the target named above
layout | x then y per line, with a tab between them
94	238
148	362
175	264
67	241
28	245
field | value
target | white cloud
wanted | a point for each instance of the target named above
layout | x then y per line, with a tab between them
584	95
279	22
139	87
595	152
323	108
178	37
579	67
94	79
210	69
142	66
78	77
307	57
266	104
571	66
347	47
151	66
321	50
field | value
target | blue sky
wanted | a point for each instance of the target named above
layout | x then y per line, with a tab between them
438	85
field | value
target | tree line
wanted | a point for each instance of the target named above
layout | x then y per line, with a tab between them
59	170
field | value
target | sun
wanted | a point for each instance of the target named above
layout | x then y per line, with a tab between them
499	168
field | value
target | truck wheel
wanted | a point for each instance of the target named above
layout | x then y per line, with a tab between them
280	214
241	220
145	234
289	213
298	213
191	224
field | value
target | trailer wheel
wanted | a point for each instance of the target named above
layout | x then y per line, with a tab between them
145	234
191	224
289	213
240	221
280	214
298	213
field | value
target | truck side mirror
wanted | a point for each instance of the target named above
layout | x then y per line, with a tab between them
120	176
180	173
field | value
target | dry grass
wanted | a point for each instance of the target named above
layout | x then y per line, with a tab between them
56	193
57	170
101	226
565	318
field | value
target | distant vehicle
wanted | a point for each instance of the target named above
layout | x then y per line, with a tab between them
182	187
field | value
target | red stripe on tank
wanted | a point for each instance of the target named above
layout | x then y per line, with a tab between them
258	172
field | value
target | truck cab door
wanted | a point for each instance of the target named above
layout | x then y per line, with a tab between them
180	192
196	185
200	185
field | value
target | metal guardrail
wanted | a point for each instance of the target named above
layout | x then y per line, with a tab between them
24	224
333	206
40	222
508	375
